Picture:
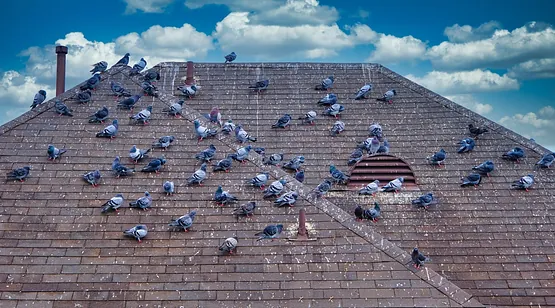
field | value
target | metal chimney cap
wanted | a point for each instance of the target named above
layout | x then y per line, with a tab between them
61	49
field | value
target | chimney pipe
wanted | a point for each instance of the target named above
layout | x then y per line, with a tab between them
190	73
302	233
61	52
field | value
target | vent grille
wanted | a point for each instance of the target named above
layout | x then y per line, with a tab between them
383	168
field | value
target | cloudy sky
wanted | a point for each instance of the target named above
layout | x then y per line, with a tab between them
494	57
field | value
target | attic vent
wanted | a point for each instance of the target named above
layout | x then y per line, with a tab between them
383	168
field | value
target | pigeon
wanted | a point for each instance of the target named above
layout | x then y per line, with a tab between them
84	96
138	232
143	202
118	89
476	131
185	222
270	232
99	67
230	57
275	188
137	154
394	185
100	116
151	75
149	89
363	92
466	145
123	61
388	96
418	258
273	160
375	130
485	168
337	128
143	116
472	179
119	169
113	204
372	214
338	176
326	84
524	182
207	154
384	148
374	146
514	154
214	116
137	68
109	131
424	201
260	180
91	83
242	136
260	85
438	158
169	188
309	117
295	163
245	209
163	142
154	165
367	144
260	151
370	189
129	103
189	91
92	177
228	127
328	100
323	188
242	153
224	164
19	174
546	161
223	197
198	176
203	132
62	109
334	110
54	153
175	109
229	245
282	122
38	99
299	176
287	199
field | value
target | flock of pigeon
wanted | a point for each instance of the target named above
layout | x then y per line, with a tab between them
374	145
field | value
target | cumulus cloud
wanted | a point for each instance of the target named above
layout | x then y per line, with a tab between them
17	93
538	125
470	102
534	69
466	33
147	6
392	49
446	83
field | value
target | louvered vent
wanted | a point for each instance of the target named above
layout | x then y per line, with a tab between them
383	168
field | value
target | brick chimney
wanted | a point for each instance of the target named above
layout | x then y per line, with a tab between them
190	73
61	52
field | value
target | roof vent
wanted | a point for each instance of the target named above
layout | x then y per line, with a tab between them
383	168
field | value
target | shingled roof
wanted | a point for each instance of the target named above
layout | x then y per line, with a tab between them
489	245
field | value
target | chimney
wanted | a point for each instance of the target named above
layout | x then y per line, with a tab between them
190	73
61	52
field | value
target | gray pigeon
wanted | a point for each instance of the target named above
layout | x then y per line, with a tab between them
175	109
84	96
62	109
91	83
230	57
123	61
100	116
270	232
143	202
189	91
223	197
154	165
355	157
282	122
129	103
204	132
163	142
245	209
546	161
287	199
370	189
184	222
151	75
229	245
113	204
473	179
376	130
260	85
338	176
418	258
374	146
92	177
337	128
137	68
334	110
207	154
295	163
169	188
109	131
38	99
388	96
224	164
54	153
242	153
149	89
273	159
309	117
372	214
383	149
524	182
137	154
119	169
143	116
138	232
394	185
363	92
275	188
328	100
19	174
118	89
260	180
242	136
424	201
228	127
198	176
326	84
323	188
99	67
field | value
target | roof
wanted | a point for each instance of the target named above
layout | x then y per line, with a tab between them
488	245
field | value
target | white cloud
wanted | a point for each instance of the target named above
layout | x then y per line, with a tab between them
235	5
17	93
465	82
147	6
534	69
392	49
538	125
468	101
466	33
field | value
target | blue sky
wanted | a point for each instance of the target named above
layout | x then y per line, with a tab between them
495	57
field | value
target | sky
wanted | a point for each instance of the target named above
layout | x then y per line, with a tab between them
496	58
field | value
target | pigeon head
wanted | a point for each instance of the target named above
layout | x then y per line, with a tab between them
133	149
301	159
42	92
180	102
331	78
376	206
402	179
193	214
116	159
203	167
197	123
248	147
415	251
50	148
233	52
280	228
119	195
127	55
531	175
149	108
147	194
332	168
27	168
283	181
115	122
219	190
394	92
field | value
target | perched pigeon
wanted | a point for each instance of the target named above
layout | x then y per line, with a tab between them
242	153
524	182
273	160
260	85
151	75
198	176
228	127
138	232
54	153
119	169
299	176
326	84
143	116
100	116
328	100
485	168
337	128
224	164
275	188
137	154
143	202
230	57
438	158
223	197
270	232
309	117
203	132
282	122
92	177
38	99
91	83
372	214
118	89
99	67
371	145
323	188
84	96
189	91
388	96
370	189
163	142
260	180
185	222
394	185
214	116
338	176
418	258
175	109
384	148
260	150
149	89
207	154
334	110
424	201
123	61
295	163
137	68
169	188
546	161
473	179
476	131
245	209
363	92
62	109
19	174
113	204
154	165
129	103
466	145
229	245
375	130
242	136
514	154
109	131
287	199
